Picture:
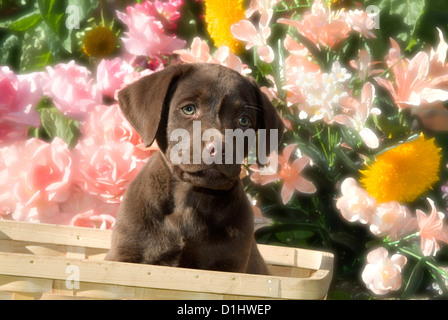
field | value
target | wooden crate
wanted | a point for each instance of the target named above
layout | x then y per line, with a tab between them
40	261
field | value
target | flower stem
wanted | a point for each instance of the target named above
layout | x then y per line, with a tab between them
415	255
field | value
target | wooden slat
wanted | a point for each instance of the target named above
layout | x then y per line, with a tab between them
42	252
158	277
54	234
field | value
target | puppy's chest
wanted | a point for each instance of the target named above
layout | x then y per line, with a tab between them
202	222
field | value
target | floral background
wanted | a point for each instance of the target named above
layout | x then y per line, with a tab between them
362	87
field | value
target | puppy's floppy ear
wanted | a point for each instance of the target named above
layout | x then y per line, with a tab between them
268	119
144	101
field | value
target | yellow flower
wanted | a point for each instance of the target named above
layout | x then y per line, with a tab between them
403	173
219	16
99	43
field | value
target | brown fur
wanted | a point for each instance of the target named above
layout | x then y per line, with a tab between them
190	215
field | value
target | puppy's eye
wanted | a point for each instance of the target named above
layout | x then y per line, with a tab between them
189	110
244	121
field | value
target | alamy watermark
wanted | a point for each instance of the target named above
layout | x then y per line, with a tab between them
374	14
72	280
73	17
228	148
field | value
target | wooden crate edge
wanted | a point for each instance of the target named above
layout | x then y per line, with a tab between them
147	276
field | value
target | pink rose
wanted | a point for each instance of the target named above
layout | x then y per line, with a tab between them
355	203
106	170
110	75
167	9
50	171
146	35
383	274
72	90
392	219
37	178
107	123
19	95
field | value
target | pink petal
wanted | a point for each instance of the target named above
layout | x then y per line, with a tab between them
266	53
288	150
287	192
431	95
300	163
304	186
417	70
245	31
388	86
369	138
441	48
265	179
348	184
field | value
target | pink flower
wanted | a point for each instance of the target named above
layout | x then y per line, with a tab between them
37	177
432	230
72	90
289	173
393	220
50	171
146	35
355	203
361	22
254	36
437	58
107	123
321	26
167	11
383	274
110	75
317	94
106	170
364	65
264	7
414	85
299	69
297	49
356	114
200	53
19	95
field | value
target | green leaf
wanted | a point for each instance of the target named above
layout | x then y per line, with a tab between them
409	10
413	283
26	22
60	18
348	240
53	13
56	124
9	49
35	53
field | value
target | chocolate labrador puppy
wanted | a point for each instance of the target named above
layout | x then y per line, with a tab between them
189	213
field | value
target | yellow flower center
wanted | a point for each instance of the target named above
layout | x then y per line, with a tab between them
220	15
99	43
403	173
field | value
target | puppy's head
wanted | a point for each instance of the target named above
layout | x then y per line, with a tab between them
202	116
